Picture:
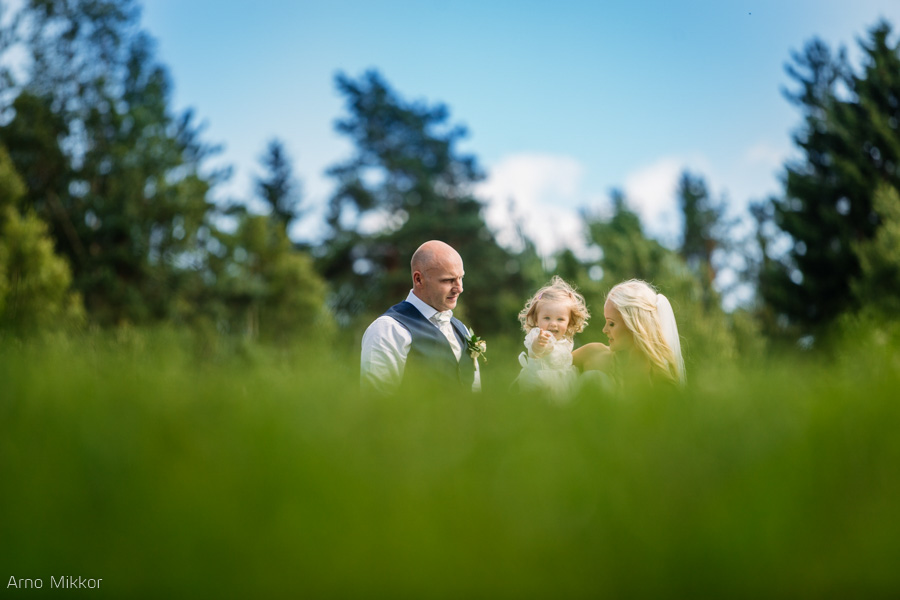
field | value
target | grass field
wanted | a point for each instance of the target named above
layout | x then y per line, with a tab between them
168	470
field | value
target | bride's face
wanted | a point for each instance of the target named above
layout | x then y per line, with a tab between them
620	337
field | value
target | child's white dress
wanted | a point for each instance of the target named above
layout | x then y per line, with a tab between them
552	373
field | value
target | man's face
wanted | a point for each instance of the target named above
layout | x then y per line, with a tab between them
440	284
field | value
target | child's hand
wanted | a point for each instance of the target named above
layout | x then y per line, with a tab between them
543	342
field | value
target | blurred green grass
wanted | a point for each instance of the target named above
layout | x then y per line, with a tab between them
165	467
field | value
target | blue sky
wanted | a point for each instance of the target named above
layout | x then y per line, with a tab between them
563	100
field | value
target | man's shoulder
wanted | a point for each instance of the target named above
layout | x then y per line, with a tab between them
402	308
393	321
405	313
385	330
385	321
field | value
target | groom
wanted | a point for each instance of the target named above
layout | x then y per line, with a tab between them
420	335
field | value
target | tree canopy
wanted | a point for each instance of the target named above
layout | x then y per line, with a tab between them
850	147
407	183
108	202
123	184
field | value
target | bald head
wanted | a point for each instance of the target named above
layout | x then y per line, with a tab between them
437	273
431	254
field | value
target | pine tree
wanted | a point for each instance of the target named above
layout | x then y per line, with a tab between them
277	187
110	167
878	285
407	184
264	288
850	145
35	291
626	250
702	219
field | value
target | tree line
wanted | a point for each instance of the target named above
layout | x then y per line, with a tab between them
107	216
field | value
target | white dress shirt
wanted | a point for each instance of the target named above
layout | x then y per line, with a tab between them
385	346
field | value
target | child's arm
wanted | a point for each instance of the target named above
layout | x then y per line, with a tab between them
542	343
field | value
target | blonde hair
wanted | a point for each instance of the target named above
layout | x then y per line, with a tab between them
557	291
638	303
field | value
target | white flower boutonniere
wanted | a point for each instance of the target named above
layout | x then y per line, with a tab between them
476	347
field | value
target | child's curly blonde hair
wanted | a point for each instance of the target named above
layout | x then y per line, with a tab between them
558	290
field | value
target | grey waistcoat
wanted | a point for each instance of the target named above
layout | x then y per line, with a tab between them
430	351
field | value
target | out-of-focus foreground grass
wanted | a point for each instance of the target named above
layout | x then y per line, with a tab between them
267	474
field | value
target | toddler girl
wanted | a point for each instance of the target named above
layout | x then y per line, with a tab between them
551	319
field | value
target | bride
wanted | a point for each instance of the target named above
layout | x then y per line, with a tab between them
643	339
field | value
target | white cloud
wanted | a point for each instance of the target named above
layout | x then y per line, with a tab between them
540	191
651	192
544	192
766	154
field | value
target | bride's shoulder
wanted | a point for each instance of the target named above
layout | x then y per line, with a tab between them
593	357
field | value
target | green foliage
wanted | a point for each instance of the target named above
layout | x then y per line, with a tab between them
407	184
125	458
35	282
278	187
850	144
702	224
878	285
33	140
119	179
11	186
264	288
627	253
107	164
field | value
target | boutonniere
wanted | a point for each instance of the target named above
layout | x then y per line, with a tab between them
476	347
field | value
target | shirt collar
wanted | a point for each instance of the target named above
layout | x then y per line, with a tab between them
427	310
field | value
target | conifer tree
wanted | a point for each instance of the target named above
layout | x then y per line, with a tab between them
108	165
878	285
264	288
278	187
702	219
35	292
405	184
850	141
